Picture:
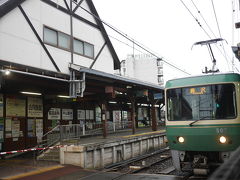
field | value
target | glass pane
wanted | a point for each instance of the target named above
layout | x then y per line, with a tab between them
88	50
199	103
50	36
78	46
63	41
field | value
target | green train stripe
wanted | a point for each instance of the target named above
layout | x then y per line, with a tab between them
204	139
203	126
203	79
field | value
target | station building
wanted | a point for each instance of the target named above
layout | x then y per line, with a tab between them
57	67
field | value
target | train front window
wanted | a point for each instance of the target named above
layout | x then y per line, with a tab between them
202	102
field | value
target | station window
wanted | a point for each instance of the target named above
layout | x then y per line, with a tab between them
88	50
78	46
63	41
50	36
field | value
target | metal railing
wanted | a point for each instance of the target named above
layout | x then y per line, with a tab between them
69	132
62	133
116	126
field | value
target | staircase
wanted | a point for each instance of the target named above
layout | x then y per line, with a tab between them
50	155
58	135
68	135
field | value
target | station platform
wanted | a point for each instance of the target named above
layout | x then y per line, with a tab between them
27	167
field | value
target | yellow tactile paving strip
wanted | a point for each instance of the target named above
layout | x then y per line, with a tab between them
38	171
143	134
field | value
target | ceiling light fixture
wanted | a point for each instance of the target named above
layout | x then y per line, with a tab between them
31	93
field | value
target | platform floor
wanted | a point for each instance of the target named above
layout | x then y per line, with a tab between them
124	134
26	167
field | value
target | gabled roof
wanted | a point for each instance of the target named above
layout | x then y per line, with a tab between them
100	24
8	5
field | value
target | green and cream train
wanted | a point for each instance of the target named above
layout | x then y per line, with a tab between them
203	120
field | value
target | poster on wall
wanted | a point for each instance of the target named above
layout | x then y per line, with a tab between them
54	114
67	114
91	114
98	114
8	124
116	116
1	136
1	105
140	114
87	114
107	115
81	114
15	107
35	107
31	127
15	128
39	130
1	129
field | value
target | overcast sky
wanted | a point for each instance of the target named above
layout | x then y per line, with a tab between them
168	29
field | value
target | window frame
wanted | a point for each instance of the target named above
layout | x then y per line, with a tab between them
59	32
51	44
84	49
71	46
235	102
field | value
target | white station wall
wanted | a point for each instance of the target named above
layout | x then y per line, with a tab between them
18	43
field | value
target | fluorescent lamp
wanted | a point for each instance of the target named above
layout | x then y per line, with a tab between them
112	102
62	96
7	72
31	93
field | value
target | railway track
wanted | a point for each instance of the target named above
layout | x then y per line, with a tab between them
158	163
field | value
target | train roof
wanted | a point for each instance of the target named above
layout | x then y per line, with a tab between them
203	79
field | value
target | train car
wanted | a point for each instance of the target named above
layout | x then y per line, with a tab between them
202	120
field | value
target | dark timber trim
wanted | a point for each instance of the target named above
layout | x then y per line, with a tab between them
4	64
77	6
11	4
66	5
105	36
8	6
53	4
38	37
98	55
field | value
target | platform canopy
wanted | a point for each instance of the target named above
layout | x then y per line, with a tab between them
97	84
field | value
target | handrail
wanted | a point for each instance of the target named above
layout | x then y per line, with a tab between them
62	133
54	129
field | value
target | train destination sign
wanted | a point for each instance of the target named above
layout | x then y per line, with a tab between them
197	91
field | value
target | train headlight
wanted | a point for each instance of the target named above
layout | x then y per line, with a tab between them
181	139
223	139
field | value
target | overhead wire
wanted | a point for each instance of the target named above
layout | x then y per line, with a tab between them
219	31
198	22
233	14
233	18
199	12
132	40
124	43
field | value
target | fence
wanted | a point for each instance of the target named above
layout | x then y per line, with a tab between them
75	131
